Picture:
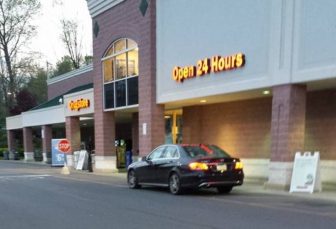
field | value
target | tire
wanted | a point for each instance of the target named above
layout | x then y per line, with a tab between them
175	184
132	180
224	189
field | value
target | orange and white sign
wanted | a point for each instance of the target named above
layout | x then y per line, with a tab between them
78	104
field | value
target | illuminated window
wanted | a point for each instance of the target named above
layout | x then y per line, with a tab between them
120	70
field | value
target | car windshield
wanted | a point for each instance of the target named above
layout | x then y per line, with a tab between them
202	150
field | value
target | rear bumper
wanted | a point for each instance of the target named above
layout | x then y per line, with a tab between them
207	180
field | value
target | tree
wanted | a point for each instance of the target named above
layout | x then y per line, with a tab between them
25	101
15	31
37	85
63	66
72	42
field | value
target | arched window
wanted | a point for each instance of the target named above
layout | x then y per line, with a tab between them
120	73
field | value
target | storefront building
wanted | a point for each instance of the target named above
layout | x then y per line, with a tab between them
256	78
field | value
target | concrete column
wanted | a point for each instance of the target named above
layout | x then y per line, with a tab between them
46	141
72	132
28	144
135	133
11	140
287	132
105	150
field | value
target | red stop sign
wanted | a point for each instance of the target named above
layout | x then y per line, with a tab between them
64	146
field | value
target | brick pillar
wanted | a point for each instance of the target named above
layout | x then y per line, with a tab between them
28	143
104	141
192	124
46	140
151	114
135	133
287	132
11	140
72	132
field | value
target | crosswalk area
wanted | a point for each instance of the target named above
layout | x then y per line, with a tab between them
22	177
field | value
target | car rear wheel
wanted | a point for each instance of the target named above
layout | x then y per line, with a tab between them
224	189
132	180
175	184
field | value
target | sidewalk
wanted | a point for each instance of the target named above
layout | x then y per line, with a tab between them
250	185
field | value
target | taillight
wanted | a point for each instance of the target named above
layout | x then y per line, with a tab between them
198	166
239	165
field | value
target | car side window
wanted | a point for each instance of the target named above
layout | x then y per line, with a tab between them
156	154
171	152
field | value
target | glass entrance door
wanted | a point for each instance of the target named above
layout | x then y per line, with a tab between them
173	126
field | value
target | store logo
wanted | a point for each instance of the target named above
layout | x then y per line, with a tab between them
209	65
79	104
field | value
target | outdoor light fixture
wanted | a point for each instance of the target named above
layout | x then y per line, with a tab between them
203	101
266	92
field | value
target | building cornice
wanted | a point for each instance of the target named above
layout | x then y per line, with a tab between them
71	74
97	7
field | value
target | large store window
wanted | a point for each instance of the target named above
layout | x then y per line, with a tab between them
120	71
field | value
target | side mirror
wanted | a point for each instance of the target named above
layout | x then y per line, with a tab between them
143	159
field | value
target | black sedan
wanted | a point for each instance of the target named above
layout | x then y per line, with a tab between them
187	166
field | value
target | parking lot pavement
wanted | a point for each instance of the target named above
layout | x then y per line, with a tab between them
249	186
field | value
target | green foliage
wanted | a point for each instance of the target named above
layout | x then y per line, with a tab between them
63	66
88	60
37	86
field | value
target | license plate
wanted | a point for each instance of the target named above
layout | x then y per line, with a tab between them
221	168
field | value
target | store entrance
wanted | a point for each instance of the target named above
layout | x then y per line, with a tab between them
173	126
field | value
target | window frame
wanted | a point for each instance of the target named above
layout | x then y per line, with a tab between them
114	80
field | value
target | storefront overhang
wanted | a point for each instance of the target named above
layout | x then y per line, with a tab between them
55	110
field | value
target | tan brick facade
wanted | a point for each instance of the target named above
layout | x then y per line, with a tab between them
126	21
28	139
11	140
64	86
72	129
242	128
288	121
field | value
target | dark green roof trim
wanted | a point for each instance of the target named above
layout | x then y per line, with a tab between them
55	101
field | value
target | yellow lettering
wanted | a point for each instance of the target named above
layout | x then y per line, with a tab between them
175	73
214	63
227	63
240	60
221	64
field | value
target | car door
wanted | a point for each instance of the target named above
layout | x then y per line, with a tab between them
147	170
167	161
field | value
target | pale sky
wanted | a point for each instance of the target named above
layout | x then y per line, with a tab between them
48	41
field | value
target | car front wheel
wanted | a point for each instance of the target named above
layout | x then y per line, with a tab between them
132	180
175	184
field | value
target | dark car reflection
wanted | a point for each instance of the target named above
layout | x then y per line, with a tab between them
187	166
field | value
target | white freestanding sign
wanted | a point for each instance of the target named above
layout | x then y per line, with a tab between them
306	173
81	159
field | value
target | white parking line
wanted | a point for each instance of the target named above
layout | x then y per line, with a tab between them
23	176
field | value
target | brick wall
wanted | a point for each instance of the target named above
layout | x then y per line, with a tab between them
241	128
321	123
126	21
64	86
